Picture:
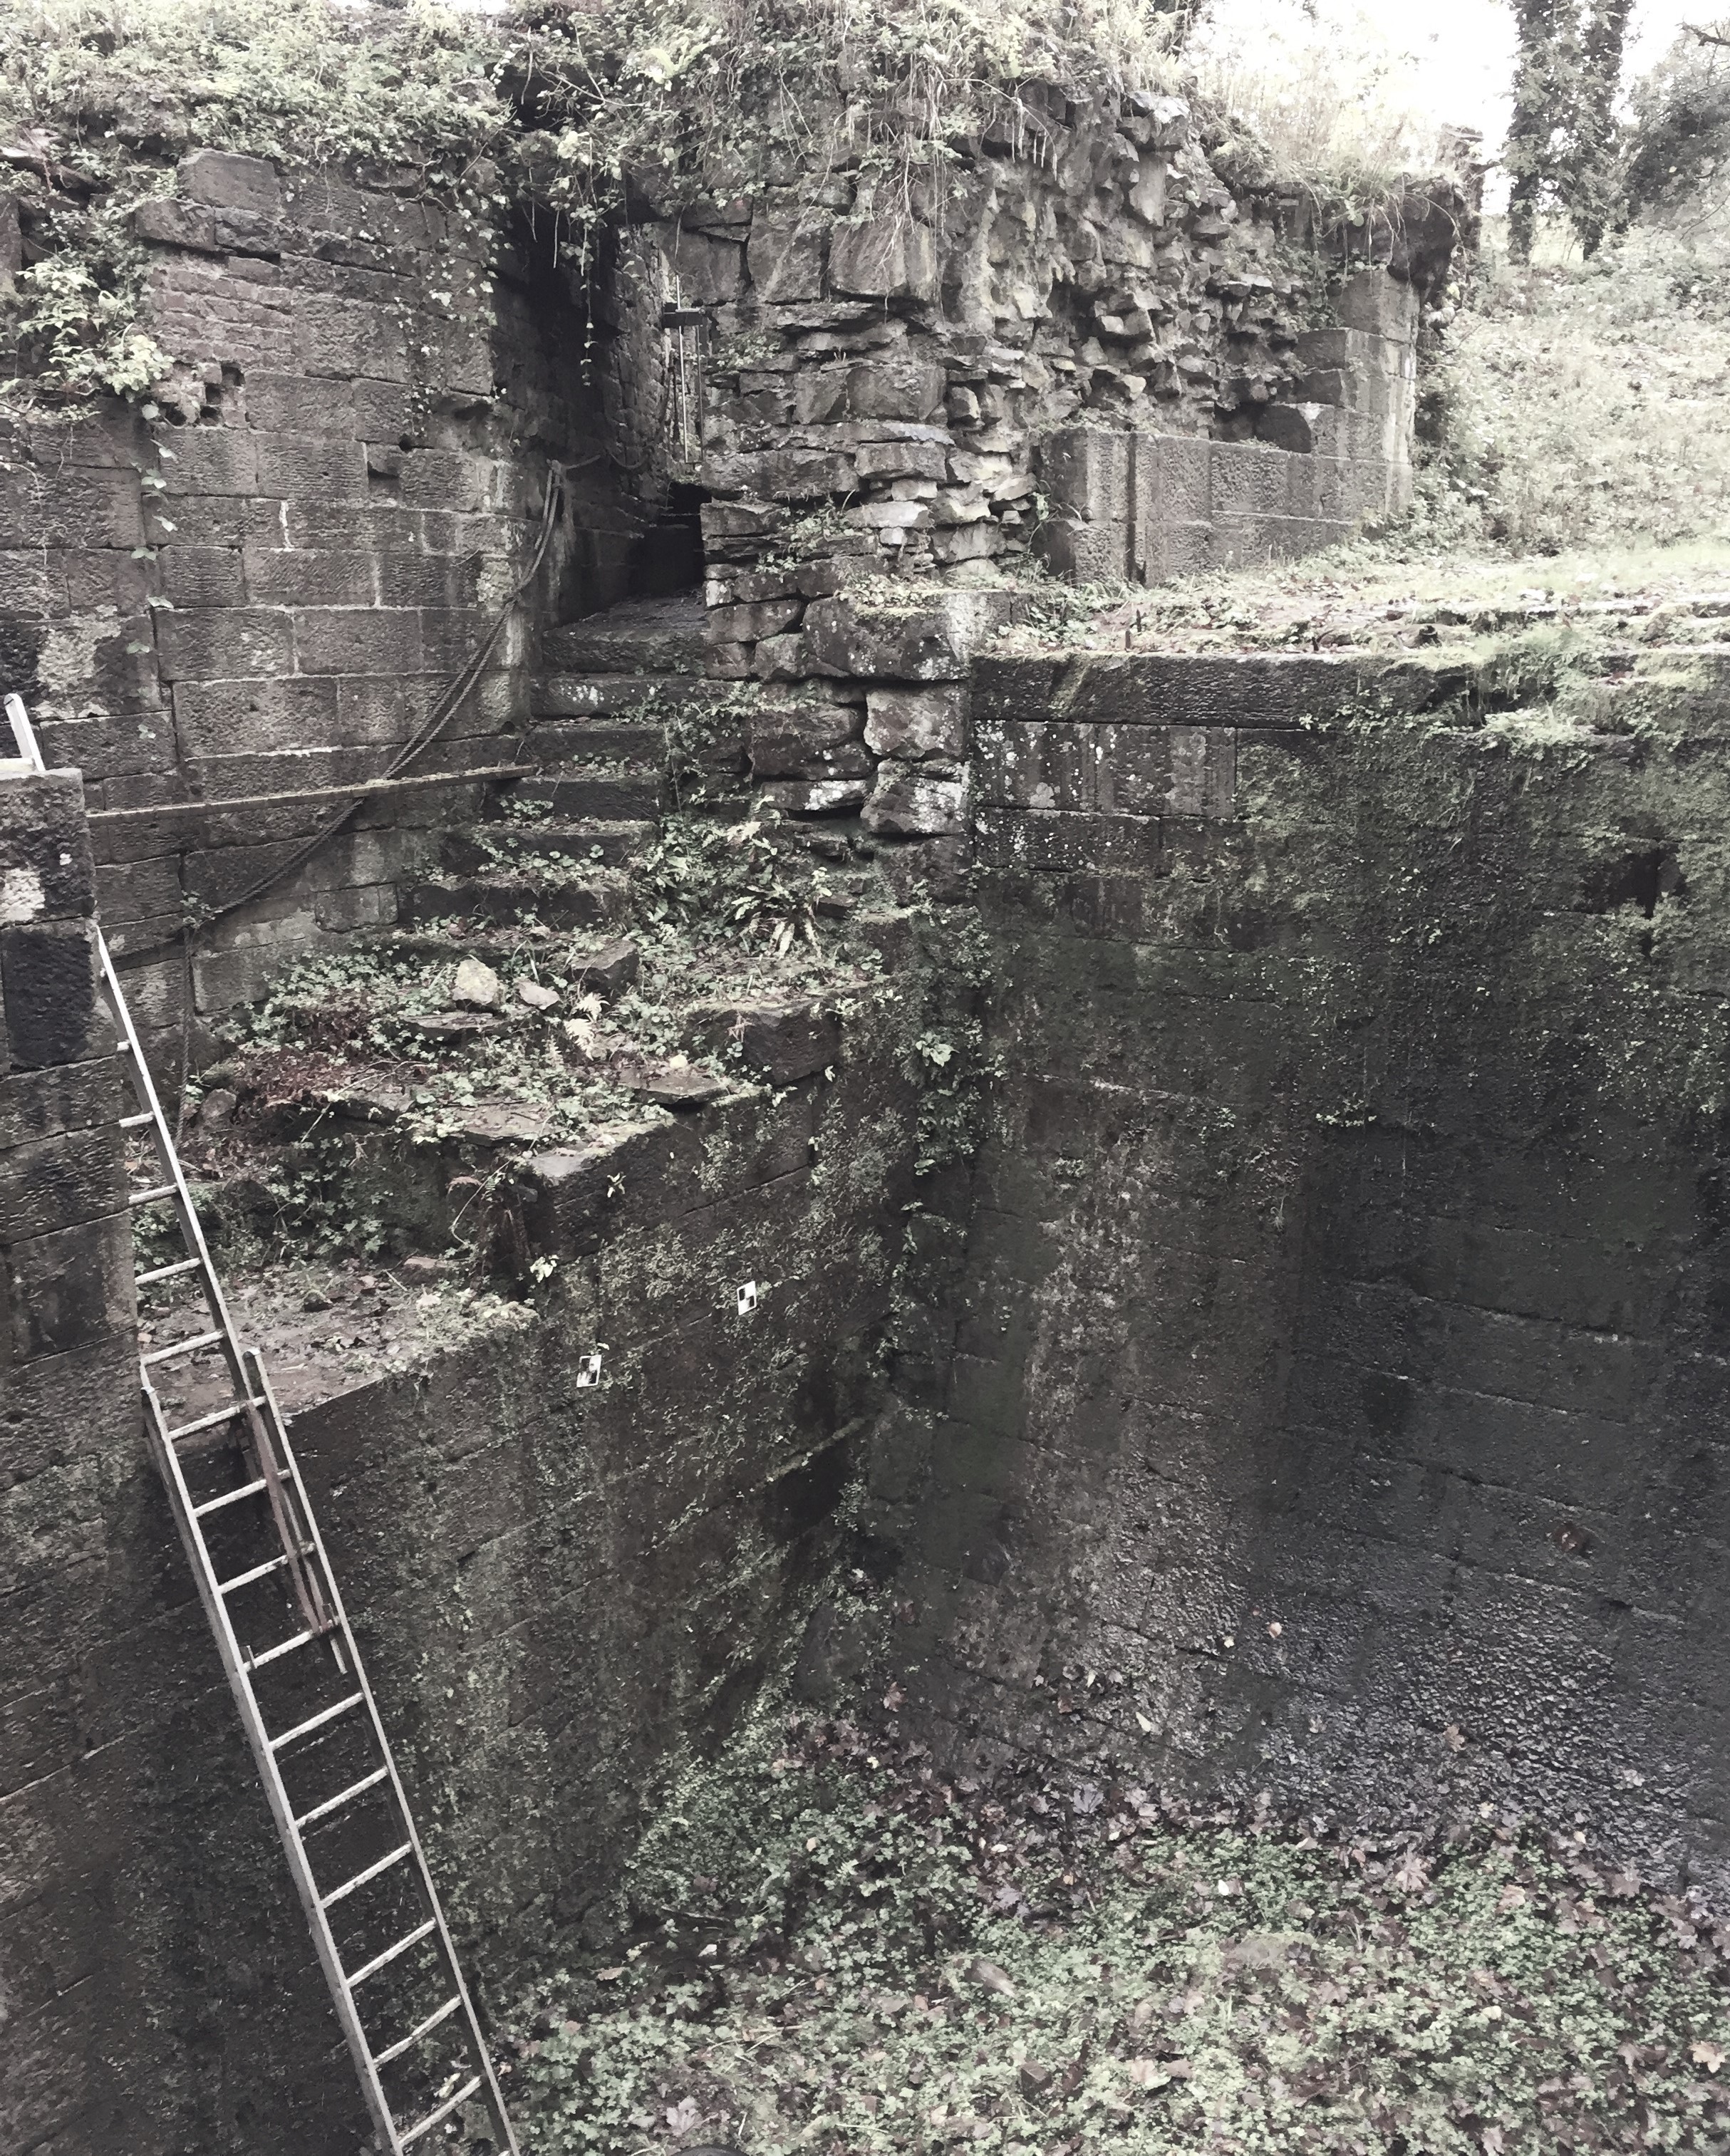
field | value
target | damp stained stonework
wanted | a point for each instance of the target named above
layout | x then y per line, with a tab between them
962	1057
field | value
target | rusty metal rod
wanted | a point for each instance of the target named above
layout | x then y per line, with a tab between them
359	790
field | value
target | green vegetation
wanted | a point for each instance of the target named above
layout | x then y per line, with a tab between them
826	1945
566	107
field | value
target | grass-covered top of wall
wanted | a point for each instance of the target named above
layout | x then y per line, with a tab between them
567	105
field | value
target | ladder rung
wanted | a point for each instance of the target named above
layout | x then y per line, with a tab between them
149	1197
382	1961
136	1122
276	1653
450	2103
165	1272
317	1721
210	1421
342	1797
407	2043
230	1498
372	1873
181	1347
257	1572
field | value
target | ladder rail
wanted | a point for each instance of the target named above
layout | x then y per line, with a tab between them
481	2056
278	1479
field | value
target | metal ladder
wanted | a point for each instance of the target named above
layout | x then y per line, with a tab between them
230	1475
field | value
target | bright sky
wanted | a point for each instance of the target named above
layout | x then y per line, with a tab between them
1465	49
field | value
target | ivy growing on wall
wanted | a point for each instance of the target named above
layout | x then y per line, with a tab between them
571	107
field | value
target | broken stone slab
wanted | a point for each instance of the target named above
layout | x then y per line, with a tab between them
916	724
607	969
909	801
782	1042
677	1086
454	1025
501	1123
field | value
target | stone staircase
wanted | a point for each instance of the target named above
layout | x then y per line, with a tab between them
559	845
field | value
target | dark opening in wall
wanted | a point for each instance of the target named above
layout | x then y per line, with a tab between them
668	558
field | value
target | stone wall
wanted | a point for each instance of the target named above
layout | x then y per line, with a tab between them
563	1588
262	581
1330	1395
1082	344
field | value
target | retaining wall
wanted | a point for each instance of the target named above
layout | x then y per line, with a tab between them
1334	1399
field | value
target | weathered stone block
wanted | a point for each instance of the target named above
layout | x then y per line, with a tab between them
349	337
292	578
222	642
202	576
233	718
61	1181
744	623
782	1042
1203	767
902	460
817	797
785	255
47	973
357	641
802	741
66	1290
45	870
1082	552
899	386
710	270
228	182
207	459
916	724
930	643
1086	474
912	801
311	465
885	256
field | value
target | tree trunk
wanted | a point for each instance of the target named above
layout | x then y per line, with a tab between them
1596	191
1546	88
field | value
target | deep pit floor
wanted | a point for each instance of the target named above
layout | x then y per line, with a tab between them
826	1945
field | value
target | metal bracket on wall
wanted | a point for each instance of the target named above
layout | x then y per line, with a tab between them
241	1507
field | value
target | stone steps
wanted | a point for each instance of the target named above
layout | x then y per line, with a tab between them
602	695
587	902
588	842
644	636
573	794
597	741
